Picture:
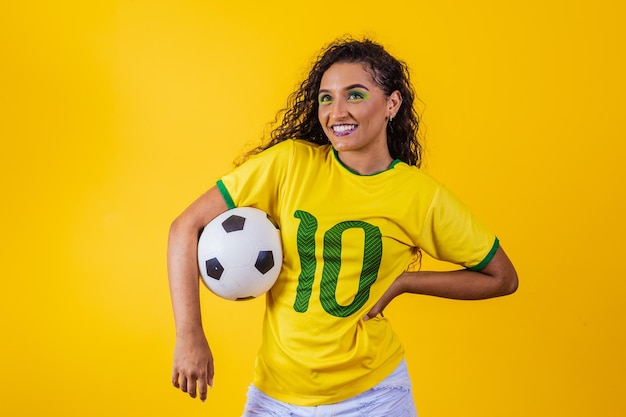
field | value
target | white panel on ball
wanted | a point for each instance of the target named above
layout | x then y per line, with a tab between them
240	254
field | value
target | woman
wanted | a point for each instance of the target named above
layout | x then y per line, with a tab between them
341	177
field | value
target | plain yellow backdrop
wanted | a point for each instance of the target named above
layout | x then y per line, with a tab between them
114	115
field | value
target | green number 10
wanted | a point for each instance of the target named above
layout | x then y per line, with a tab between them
331	254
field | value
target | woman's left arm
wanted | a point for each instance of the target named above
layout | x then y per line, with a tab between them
498	278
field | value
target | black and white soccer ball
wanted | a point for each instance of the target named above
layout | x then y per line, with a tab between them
240	254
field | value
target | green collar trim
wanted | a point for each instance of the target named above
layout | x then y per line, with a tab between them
391	166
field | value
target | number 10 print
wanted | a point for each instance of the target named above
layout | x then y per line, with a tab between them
331	255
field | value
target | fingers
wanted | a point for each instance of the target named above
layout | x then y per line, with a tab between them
206	381
193	384
373	313
379	306
175	379
210	370
202	388
395	289
191	387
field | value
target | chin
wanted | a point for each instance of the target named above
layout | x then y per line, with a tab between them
341	143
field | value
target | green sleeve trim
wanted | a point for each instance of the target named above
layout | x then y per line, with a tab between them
489	256
226	195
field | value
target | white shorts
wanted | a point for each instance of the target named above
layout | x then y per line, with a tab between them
392	397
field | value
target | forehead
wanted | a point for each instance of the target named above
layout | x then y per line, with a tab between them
344	74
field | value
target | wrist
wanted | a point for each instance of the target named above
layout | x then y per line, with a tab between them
190	331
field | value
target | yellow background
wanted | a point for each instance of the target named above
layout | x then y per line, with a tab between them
114	115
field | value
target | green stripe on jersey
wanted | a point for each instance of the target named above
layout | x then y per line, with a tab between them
226	195
489	256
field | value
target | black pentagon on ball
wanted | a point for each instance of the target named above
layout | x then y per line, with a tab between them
264	261
214	268
233	223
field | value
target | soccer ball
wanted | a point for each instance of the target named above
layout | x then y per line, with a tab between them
240	254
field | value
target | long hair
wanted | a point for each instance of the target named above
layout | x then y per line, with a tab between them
299	119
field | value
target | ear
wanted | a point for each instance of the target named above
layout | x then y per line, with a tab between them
394	101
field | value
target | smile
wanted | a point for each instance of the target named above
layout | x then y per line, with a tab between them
342	130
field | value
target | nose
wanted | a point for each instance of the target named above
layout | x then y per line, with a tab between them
338	110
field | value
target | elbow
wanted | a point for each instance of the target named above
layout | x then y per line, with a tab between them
501	268
512	287
180	227
509	283
175	227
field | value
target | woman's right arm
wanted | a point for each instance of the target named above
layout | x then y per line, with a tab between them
193	362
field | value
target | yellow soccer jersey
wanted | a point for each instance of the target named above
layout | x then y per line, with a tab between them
345	237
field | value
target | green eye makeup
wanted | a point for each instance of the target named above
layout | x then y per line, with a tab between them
358	95
324	99
351	95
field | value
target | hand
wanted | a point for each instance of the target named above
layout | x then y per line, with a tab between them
394	290
193	365
496	279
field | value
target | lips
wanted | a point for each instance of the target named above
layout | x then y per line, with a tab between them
343	129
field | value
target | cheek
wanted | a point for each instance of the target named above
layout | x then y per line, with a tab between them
372	111
322	115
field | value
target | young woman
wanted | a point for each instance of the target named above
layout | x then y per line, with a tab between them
341	177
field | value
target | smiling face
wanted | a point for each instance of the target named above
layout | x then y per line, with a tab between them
354	112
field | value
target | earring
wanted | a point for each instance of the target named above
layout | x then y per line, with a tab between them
391	118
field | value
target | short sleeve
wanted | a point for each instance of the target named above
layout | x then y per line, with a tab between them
451	233
258	181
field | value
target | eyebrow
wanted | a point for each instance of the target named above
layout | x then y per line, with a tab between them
350	87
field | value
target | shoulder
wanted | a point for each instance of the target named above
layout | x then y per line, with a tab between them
304	146
298	150
290	153
415	176
297	146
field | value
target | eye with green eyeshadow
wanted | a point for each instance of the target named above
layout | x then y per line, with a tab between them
357	95
324	99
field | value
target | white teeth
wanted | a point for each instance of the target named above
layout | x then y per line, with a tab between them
343	128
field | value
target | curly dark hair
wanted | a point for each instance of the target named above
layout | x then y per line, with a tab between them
300	121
